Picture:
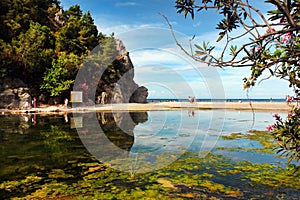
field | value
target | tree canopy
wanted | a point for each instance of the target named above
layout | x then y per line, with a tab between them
43	44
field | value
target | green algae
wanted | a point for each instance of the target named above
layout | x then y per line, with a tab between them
181	180
262	137
68	171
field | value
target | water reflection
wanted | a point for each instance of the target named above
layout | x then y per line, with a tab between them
121	139
108	136
49	150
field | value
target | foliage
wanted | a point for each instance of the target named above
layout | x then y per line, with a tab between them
6	51
61	75
34	50
287	134
271	47
44	45
79	33
16	15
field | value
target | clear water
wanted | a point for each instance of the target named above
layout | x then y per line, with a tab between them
37	144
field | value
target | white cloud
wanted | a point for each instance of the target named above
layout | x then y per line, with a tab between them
128	3
119	28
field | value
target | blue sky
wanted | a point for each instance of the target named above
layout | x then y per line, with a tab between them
159	64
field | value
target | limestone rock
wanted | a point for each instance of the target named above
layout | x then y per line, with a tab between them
24	98
139	95
9	83
15	95
7	99
122	89
117	96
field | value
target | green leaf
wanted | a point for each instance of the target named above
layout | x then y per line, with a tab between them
204	46
199	53
198	47
222	34
271	71
245	15
204	58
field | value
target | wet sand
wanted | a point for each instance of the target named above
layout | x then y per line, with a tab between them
245	106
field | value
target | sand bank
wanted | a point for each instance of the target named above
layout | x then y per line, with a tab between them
246	106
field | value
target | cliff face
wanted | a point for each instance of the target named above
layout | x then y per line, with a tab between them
14	94
121	88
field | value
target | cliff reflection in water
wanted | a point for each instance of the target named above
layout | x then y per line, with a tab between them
118	127
109	136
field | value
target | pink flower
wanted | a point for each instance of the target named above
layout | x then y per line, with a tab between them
286	38
282	20
291	115
269	30
277	117
251	49
270	128
258	48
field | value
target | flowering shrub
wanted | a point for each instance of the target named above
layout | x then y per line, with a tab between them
287	134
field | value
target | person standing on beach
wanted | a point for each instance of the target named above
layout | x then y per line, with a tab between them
288	99
34	102
26	106
193	99
66	102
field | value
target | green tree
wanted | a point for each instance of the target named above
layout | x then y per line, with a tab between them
61	75
34	52
273	49
6	59
88	34
79	35
43	45
16	15
74	11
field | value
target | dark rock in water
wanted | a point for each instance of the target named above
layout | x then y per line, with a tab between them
139	95
17	124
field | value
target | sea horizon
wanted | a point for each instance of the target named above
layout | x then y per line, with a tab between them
155	100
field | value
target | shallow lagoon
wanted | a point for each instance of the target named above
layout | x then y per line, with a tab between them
201	154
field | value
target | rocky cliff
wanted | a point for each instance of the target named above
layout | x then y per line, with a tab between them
120	87
14	94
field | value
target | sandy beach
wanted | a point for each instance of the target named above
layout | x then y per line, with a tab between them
245	106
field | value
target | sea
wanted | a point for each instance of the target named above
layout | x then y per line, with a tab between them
216	100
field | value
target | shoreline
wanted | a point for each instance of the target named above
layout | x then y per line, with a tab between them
160	106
